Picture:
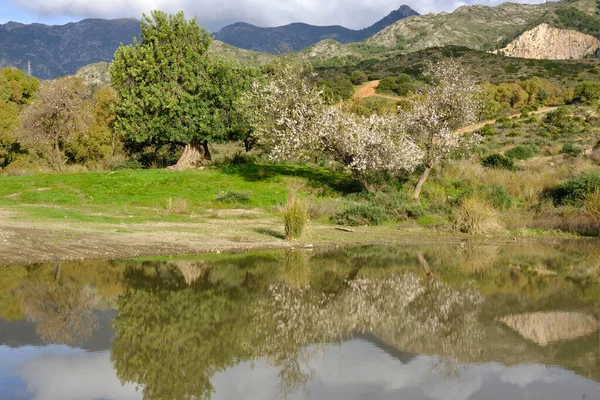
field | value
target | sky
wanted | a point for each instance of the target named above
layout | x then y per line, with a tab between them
215	14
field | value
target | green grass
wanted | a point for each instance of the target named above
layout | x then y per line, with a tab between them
141	195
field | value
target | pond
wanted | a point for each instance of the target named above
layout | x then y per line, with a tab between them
473	321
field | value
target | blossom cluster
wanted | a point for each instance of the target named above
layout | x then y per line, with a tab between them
292	122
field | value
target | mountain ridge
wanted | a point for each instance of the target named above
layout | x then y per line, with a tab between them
298	36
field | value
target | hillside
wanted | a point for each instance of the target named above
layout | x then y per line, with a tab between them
298	36
62	49
476	27
486	66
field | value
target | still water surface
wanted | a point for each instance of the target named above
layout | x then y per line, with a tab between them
515	321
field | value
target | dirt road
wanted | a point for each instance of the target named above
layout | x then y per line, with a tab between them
369	89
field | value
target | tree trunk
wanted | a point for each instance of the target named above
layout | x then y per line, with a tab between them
194	154
417	192
58	156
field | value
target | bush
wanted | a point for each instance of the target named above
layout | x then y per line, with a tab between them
499	197
295	217
570	149
358	77
498	161
514	134
487	130
575	190
522	152
591	205
476	216
129	164
396	205
360	214
234	197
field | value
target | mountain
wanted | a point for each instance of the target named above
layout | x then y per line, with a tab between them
62	49
298	36
487	28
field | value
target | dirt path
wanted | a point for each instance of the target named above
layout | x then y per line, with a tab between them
478	126
369	89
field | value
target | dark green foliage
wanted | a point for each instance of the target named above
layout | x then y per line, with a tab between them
358	77
498	161
234	197
396	205
360	214
170	91
575	189
579	20
570	149
522	152
129	164
336	90
388	84
587	92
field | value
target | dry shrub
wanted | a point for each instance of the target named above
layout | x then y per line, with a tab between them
295	217
591	204
177	206
567	219
477	216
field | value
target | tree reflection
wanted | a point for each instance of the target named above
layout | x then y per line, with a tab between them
177	327
62	312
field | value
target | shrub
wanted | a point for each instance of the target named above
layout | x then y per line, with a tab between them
591	205
575	190
360	214
514	134
476	216
234	197
295	217
498	161
499	197
570	149
487	130
129	164
522	152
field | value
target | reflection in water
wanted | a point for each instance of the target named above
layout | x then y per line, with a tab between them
192	270
196	332
62	312
378	322
546	327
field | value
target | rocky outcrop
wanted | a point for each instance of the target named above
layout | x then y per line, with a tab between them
546	42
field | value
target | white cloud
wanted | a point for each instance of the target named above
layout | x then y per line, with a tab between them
60	373
214	13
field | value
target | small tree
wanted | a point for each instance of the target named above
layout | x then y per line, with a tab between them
60	111
171	92
587	92
432	118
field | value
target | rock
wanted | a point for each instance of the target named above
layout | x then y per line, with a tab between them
546	42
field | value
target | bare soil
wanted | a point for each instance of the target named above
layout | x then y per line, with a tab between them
369	89
27	242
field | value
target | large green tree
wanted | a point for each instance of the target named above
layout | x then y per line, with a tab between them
171	92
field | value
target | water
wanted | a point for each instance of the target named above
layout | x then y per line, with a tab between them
516	321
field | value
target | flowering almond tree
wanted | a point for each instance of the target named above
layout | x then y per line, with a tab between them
292	122
431	118
368	144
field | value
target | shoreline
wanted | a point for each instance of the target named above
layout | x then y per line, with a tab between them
30	242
